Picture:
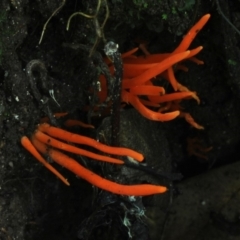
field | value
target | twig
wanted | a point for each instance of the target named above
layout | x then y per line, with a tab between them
111	50
225	18
98	28
46	23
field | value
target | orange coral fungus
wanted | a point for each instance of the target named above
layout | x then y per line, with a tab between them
138	87
195	148
75	138
44	140
31	148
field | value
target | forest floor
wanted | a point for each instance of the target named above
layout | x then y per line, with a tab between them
36	205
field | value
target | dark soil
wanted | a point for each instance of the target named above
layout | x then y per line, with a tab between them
36	205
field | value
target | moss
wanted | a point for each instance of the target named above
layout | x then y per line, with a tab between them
232	62
188	5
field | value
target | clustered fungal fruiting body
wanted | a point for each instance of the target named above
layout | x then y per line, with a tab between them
45	140
137	81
